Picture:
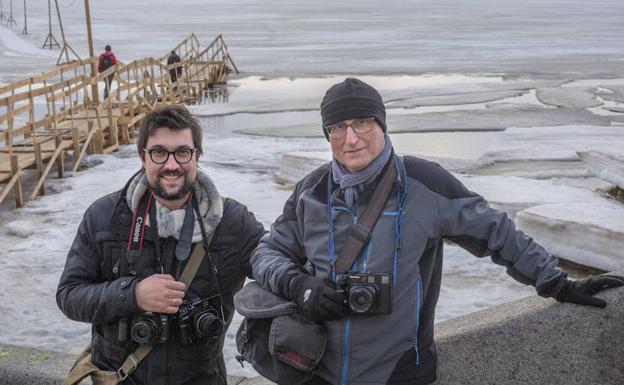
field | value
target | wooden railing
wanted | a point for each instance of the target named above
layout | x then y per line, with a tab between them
44	118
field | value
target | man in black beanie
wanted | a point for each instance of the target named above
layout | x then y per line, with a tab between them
380	326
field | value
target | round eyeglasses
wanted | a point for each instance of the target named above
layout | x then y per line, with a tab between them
359	126
160	156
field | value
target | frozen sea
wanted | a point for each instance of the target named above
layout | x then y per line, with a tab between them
503	58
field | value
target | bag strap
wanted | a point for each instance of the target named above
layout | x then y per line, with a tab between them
191	268
361	231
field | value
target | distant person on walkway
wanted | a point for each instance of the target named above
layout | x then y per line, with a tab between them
123	270
379	312
107	60
174	73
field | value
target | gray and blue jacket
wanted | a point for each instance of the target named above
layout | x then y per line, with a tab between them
426	206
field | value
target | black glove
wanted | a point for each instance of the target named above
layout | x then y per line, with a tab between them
317	298
582	292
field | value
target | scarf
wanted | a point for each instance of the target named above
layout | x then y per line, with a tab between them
170	221
353	183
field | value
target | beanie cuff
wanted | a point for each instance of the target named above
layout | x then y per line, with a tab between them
365	108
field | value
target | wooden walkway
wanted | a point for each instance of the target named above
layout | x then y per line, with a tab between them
61	114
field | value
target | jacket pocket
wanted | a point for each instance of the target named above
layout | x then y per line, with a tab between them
106	354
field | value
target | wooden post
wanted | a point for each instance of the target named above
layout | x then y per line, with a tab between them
53	109
39	165
45	86
71	108
162	85
189	89
99	140
131	113
19	199
94	85
76	142
112	128
31	115
63	91
153	85
9	111
58	141
58	15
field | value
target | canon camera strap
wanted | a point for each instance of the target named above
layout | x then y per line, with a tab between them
137	232
361	231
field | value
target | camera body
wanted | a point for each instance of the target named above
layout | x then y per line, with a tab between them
201	319
150	328
367	293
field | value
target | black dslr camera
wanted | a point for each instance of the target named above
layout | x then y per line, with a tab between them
150	328
200	319
367	293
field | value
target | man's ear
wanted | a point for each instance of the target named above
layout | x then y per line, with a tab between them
142	157
199	153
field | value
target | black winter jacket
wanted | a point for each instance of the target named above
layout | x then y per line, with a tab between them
91	290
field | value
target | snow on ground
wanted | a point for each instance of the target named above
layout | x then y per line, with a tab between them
12	44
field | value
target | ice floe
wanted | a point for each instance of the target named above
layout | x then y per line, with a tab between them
605	166
578	97
587	233
512	194
553	143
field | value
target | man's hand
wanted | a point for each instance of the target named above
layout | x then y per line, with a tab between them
582	292
316	298
159	293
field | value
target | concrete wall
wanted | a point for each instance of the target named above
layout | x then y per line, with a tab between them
535	341
530	341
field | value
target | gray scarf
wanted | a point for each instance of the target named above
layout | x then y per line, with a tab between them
352	182
170	221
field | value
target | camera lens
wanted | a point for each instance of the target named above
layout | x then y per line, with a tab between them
362	299
208	324
144	331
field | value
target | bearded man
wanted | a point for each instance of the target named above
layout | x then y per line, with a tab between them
123	270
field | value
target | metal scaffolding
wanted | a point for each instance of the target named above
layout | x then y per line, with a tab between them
11	21
25	30
50	41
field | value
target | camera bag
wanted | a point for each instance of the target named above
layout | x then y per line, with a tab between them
280	344
84	367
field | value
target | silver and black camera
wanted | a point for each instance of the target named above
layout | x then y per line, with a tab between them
200	319
367	293
150	328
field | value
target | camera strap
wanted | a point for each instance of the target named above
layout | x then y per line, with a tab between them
137	232
361	231
189	272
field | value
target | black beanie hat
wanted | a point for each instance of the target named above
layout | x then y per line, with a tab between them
352	99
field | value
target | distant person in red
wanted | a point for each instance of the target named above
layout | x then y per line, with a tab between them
107	60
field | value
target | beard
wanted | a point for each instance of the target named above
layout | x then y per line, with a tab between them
160	192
